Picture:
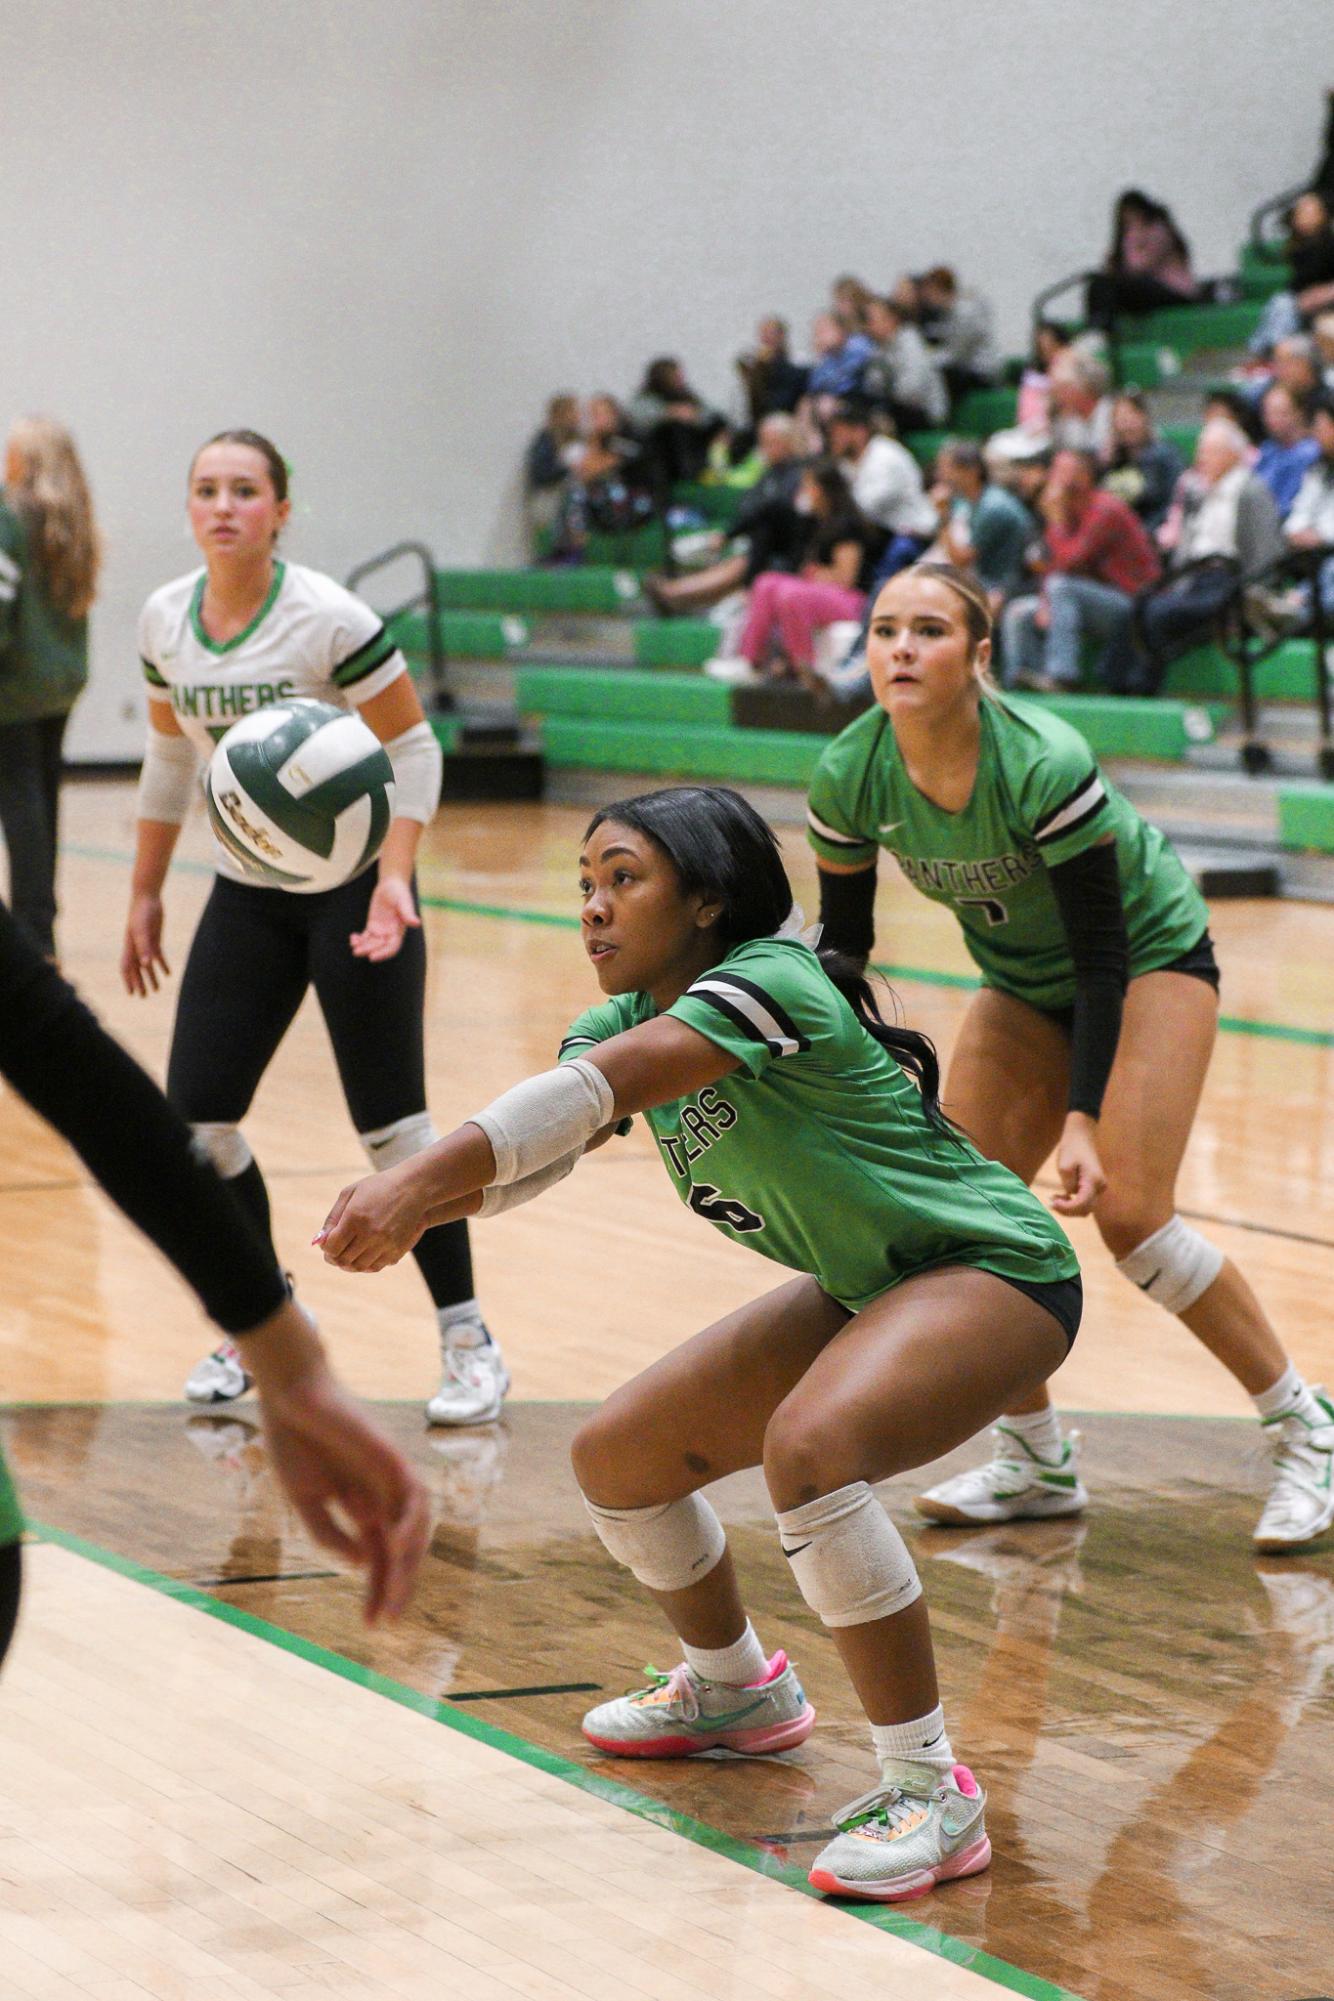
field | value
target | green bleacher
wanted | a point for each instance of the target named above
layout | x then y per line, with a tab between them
1306	818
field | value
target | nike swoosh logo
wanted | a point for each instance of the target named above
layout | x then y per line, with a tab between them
891	826
1149	1281
799	1548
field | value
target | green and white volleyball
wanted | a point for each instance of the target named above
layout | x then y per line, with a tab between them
300	795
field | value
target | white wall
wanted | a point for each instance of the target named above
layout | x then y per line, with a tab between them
386	232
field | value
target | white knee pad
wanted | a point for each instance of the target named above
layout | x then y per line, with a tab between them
1174	1266
667	1547
389	1146
225	1147
850	1562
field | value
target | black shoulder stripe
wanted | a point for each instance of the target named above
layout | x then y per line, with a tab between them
766	1000
748	1028
376	650
1068	801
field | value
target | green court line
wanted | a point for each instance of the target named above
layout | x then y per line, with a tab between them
921	976
883	1918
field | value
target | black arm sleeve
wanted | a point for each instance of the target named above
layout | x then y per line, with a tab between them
70	1070
847	913
1087	889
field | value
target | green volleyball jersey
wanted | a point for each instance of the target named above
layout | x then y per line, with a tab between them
11	1515
817	1152
1039	799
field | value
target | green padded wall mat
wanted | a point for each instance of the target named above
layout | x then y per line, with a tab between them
1130	725
621	695
588	589
675	642
1306	817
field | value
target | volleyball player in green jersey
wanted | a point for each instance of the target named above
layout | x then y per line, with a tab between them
1094	1027
935	1288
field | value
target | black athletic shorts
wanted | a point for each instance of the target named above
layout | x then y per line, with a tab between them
1199	963
254	955
1062	1297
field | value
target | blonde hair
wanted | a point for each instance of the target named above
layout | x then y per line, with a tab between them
50	494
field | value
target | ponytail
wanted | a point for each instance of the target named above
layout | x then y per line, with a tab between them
913	1051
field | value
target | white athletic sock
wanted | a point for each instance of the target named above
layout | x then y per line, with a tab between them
923	1741
465	1313
1289	1397
743	1662
1040	1431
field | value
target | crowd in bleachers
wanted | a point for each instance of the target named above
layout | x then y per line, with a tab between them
1099	546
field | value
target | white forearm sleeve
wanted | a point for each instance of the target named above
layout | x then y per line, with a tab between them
418	770
546	1117
166	778
511	1195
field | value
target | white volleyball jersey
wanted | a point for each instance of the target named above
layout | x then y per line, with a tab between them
310	638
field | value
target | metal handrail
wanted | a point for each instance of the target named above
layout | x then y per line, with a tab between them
1049	292
1275	205
429	596
1247	653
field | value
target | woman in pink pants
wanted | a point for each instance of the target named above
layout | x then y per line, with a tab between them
787	611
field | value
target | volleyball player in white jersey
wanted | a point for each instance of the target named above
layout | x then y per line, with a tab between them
245	631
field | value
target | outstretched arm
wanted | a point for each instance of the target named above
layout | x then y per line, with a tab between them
525	1132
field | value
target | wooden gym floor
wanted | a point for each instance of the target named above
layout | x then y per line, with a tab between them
268	1801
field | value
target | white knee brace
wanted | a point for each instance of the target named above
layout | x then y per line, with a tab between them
667	1547
850	1562
225	1146
1174	1266
389	1146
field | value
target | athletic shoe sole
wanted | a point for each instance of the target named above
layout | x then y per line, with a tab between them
220	1396
1042	1507
768	1737
969	1861
1275	1545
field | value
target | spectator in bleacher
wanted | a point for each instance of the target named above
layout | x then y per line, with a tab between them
772	380
1235	403
1309	251
606	490
886	483
1147	265
960	332
1322	333
1033	408
674	426
1142	468
841	354
1098	555
1079	406
848	298
902	377
767	532
1289	449
785	611
1310	524
984	529
1020	463
551	453
1221	532
1294	364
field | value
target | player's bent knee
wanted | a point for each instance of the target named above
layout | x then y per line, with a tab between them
1174	1266
808	1452
224	1146
850	1562
390	1146
668	1547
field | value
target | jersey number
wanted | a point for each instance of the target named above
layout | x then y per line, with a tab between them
714	1207
991	907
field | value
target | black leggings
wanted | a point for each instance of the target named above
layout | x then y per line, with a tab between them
11	1586
30	758
254	955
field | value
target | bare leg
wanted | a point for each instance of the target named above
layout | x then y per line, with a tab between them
702	588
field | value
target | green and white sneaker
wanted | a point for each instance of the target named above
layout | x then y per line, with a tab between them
680	1714
1301	1502
918	1828
1014	1485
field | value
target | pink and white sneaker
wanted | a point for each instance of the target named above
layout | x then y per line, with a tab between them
919	1827
680	1714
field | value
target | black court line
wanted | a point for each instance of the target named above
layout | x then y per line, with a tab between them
1228	1222
546	1688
